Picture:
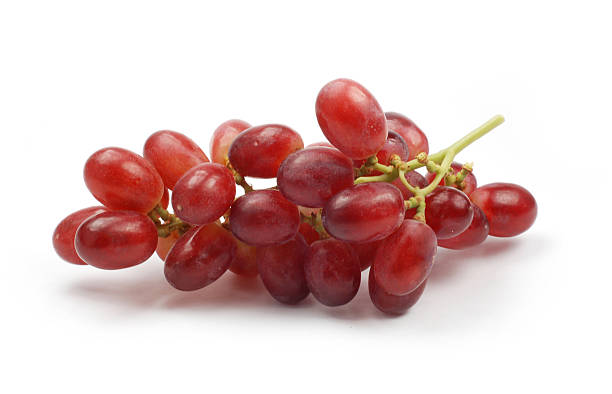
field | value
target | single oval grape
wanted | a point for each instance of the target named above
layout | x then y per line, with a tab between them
199	257
260	150
204	193
510	208
364	213
310	177
172	154
405	258
116	239
223	137
366	252
123	180
413	136
332	272
469	183
281	268
392	304
474	235
394	145
164	244
245	260
351	118
448	211
264	217
309	233
63	236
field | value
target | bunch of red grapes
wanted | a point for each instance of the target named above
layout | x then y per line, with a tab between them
338	208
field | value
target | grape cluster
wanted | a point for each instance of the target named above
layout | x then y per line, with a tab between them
338	208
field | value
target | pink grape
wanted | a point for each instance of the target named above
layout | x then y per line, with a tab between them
223	137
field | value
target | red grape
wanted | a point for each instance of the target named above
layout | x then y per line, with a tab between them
309	233
281	268
223	137
351	118
312	176
116	239
413	136
172	154
470	179
165	200
364	213
448	211
63	236
165	244
245	260
260	150
405	258
199	257
121	179
204	193
472	236
392	304
394	145
366	252
510	208
332	272
264	217
322	143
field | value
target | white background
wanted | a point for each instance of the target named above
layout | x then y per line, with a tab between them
529	314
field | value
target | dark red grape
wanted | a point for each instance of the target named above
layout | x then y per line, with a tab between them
260	150
448	211
394	145
63	236
472	236
332	272
123	180
366	252
116	239
470	180
510	208
413	136
204	193
312	176
223	137
245	260
405	258
281	268
351	118
172	154
364	213
392	304
199	257
309	233
264	217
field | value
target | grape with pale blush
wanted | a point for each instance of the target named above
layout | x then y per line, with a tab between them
223	137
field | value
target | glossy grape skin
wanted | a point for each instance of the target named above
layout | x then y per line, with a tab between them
366	252
264	217
164	244
474	235
199	257
332	272
172	154
364	213
510	208
448	211
470	180
204	193
351	118
394	145
223	137
63	236
392	304
244	262
116	239
309	233
321	143
310	177
281	268
123	180
260	150
413	136
405	258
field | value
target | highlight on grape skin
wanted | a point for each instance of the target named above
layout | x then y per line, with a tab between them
339	207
